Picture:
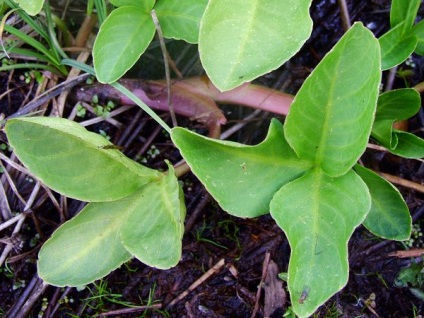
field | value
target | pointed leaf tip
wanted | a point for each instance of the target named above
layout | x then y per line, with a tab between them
331	117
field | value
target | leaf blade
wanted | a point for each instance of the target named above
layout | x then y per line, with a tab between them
85	248
241	40
32	7
180	20
342	95
418	31
230	171
398	104
319	214
408	146
389	215
73	161
122	38
154	228
396	47
404	12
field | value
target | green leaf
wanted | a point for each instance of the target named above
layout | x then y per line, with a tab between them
404	12
408	146
331	116
146	5
85	248
122	38
394	106
154	226
389	216
396	47
32	7
241	40
73	161
242	179
319	214
181	19
399	104
418	31
400	143
149	222
410	276
382	131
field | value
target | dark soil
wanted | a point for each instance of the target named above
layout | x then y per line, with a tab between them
246	246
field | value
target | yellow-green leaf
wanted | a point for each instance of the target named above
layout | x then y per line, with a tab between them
243	39
73	161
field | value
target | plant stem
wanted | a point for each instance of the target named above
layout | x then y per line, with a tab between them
166	64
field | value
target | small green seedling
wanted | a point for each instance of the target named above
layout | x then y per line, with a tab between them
412	277
305	172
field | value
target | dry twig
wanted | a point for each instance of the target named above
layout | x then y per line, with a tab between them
214	269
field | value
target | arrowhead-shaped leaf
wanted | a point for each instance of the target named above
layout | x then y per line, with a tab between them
73	161
389	216
85	248
242	179
154	224
319	214
330	119
243	39
122	38
181	19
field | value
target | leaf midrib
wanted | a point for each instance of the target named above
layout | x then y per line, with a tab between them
325	134
245	40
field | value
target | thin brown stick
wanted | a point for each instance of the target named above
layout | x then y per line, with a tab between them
344	15
129	310
31	286
408	253
165	60
73	73
33	298
25	171
49	94
85	30
13	220
259	291
390	79
214	269
195	214
6	212
10	182
402	182
109	119
18	226
419	87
